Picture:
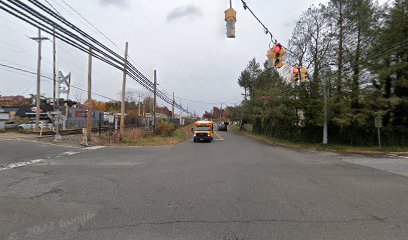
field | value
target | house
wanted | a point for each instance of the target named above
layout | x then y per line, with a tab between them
77	118
8	113
10	106
14	101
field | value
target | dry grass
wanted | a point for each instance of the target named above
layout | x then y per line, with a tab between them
139	137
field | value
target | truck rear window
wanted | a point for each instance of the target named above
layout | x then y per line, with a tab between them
202	128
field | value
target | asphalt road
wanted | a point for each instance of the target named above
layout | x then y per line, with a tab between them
231	189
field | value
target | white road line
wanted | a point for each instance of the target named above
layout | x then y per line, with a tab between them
393	155
93	148
68	153
21	164
219	136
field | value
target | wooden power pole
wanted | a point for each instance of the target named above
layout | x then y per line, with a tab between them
172	108
138	113
89	116
122	107
39	39
54	68
154	99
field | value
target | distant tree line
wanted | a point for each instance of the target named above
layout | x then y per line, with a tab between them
358	50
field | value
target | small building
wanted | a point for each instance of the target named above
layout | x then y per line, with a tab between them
8	113
77	118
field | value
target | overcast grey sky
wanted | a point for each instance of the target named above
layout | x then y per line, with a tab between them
183	39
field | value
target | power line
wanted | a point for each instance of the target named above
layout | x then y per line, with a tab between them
100	52
273	39
99	31
51	79
53	7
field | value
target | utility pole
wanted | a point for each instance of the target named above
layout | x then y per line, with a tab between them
55	103
181	111
172	108
181	114
39	39
325	141
138	114
221	112
154	99
68	92
54	73
242	110
89	116
122	108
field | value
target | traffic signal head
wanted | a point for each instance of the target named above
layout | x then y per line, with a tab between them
305	74
230	18
271	56
279	56
276	56
296	72
277	48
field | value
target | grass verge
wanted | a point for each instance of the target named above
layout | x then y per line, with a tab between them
321	147
178	136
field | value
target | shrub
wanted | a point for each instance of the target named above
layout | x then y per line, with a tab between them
164	128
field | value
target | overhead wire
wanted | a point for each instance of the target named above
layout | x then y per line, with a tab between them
101	33
71	39
51	79
266	29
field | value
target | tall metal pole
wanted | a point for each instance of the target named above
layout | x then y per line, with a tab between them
154	99
325	140
122	108
89	116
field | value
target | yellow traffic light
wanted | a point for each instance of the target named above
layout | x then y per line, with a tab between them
296	72
271	56
279	57
230	18
305	74
276	56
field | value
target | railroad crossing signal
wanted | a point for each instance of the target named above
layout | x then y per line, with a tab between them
230	18
305	74
276	55
296	74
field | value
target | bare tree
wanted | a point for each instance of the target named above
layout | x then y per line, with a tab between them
79	97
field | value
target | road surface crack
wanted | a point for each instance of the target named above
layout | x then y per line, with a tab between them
54	190
231	222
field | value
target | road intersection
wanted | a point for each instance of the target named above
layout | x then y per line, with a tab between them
232	189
